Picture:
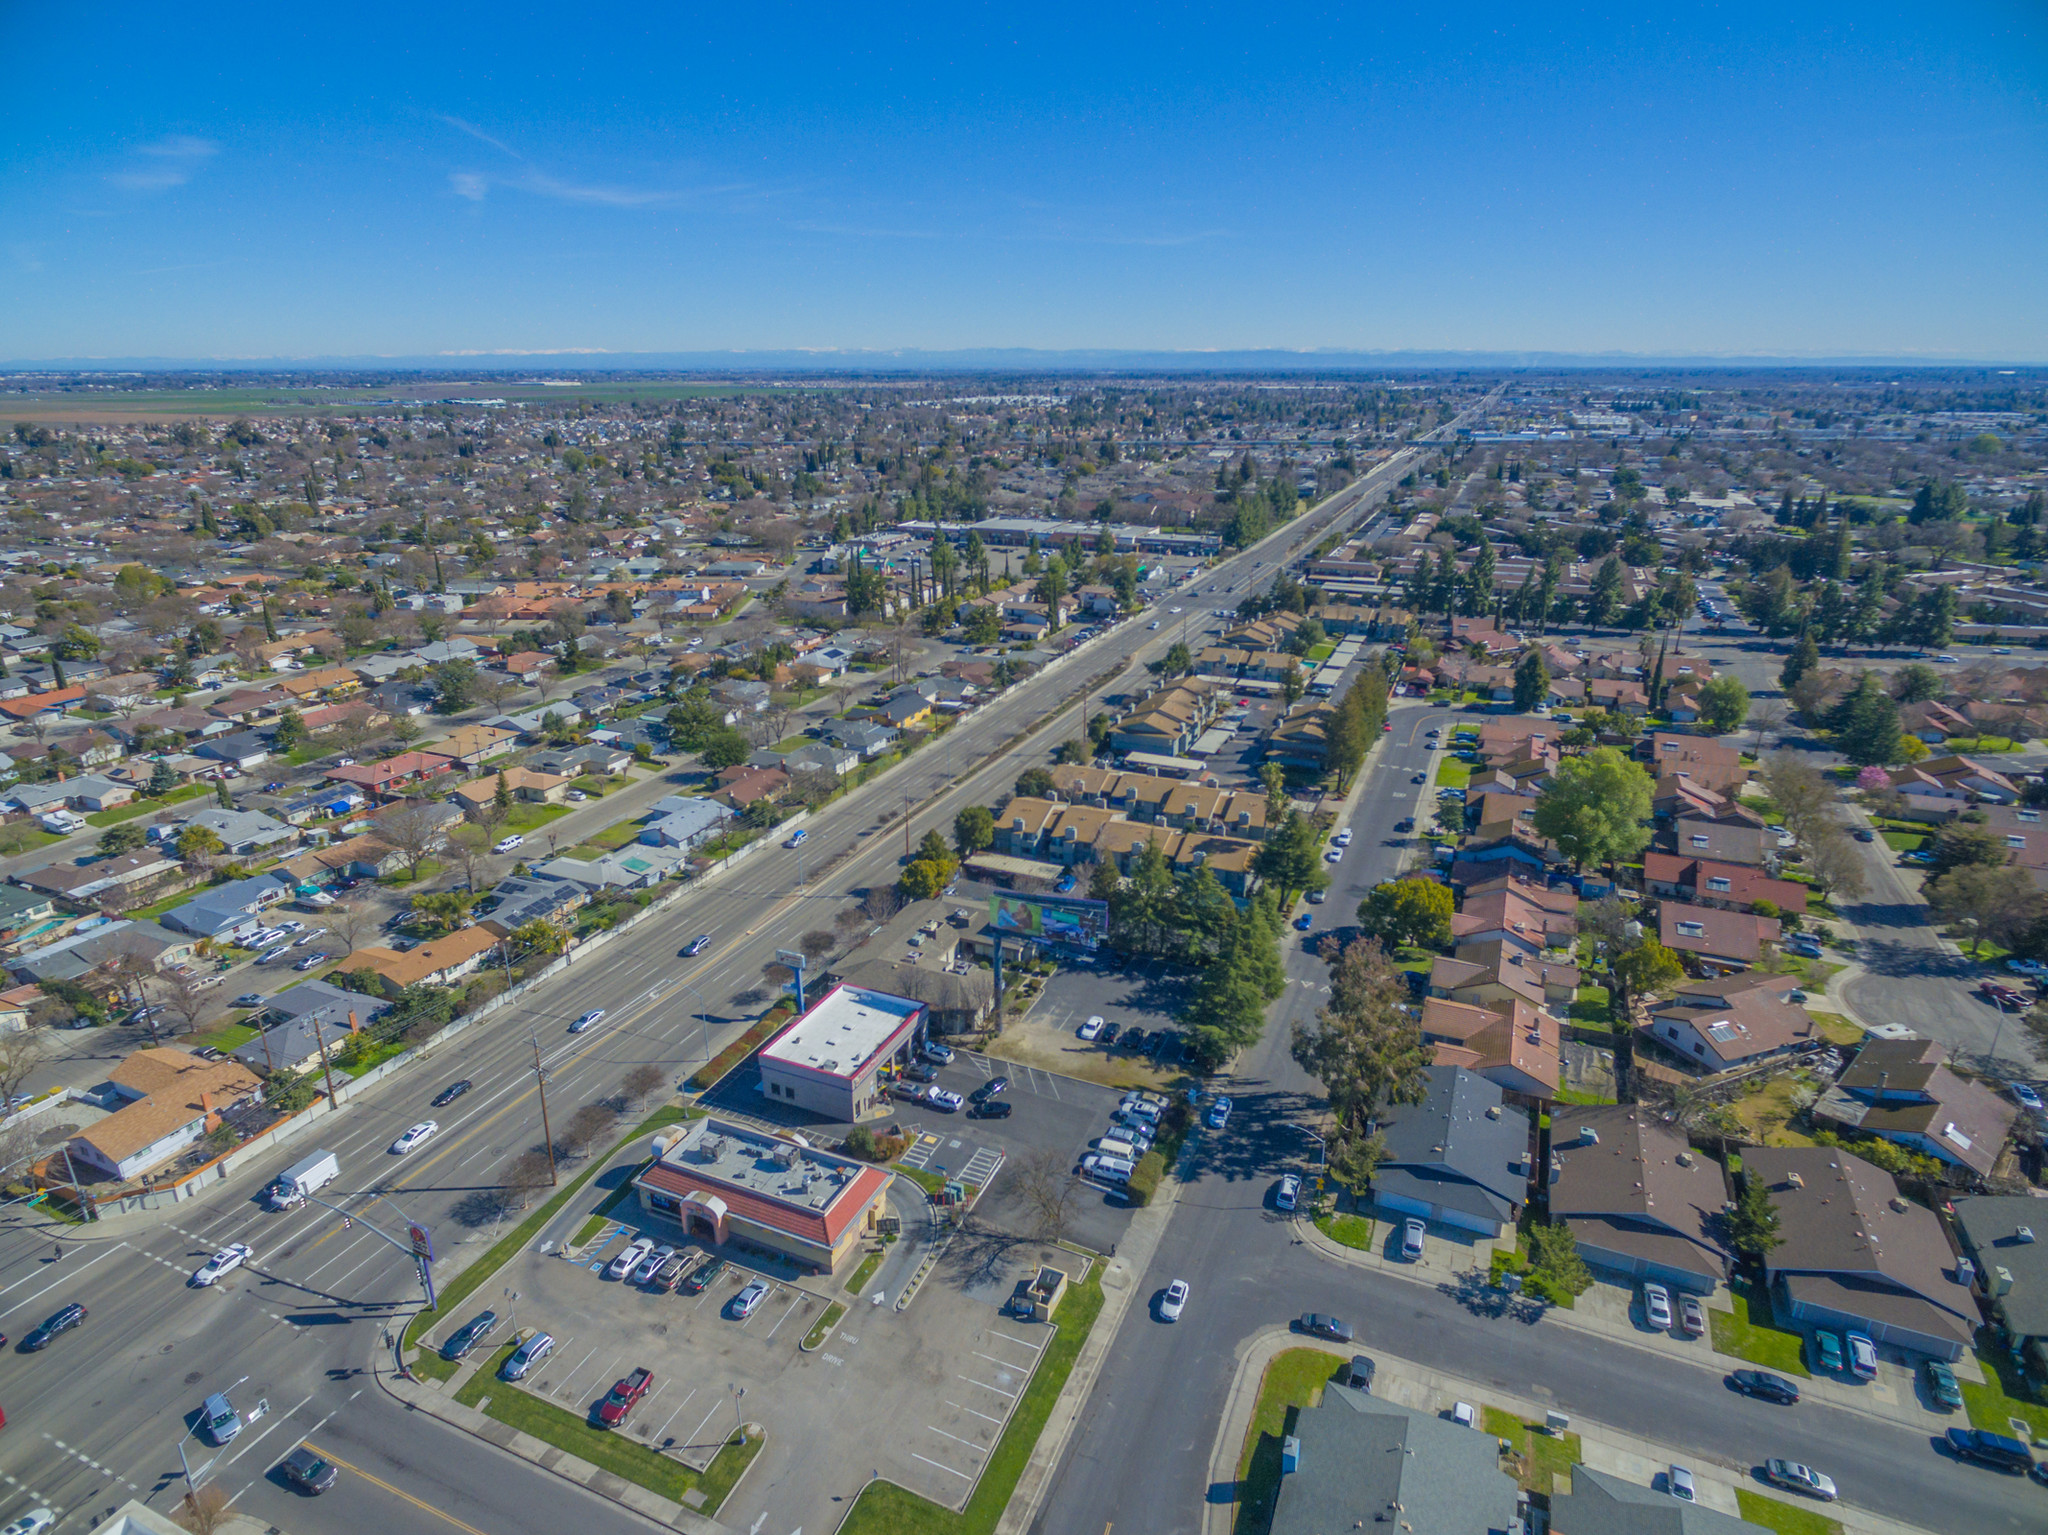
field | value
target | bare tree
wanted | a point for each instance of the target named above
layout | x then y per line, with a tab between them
643	1082
349	923
20	1053
471	847
882	902
416	833
182	999
1833	861
1050	1191
1766	718
817	943
206	1509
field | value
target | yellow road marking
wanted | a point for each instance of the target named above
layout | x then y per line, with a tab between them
394	1491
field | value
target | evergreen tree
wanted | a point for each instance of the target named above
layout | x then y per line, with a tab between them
1804	658
1866	724
1532	680
1604	598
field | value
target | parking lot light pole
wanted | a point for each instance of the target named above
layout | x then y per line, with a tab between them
738	1419
1322	1146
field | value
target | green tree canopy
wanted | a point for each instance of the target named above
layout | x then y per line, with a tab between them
973	829
725	747
1597	807
1408	911
1532	680
1866	724
1724	704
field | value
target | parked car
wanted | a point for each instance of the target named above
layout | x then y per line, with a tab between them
1289	1192
624	1396
1941	1385
945	1102
1805	948
1862	1357
589	1018
507	844
418	1135
1218	1115
526	1356
990	1089
1414	1237
249	999
1791	1475
1829	1348
1092	1029
671	1270
703	1278
1765	1386
1174	1301
226	1261
1317	1325
450	1093
471	1333
934	1051
308	1472
318	957
1304	922
1357	1374
2001	1452
697	945
628	1260
2002	994
1657	1306
2026	1097
1110	1031
996	1110
1692	1316
651	1264
61	1322
1678	1482
748	1301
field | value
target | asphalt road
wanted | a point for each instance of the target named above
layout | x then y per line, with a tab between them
1138	1458
97	1418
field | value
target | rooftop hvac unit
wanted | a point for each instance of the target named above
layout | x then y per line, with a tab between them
2025	1233
1588	1136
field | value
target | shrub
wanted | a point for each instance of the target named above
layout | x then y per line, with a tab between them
1145	1177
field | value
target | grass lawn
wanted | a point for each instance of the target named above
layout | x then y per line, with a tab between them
1539	1455
1766	1111
1590	1005
623	1457
156	909
1294	1380
1836	1029
612	838
883	1508
2001	1396
1452	773
857	1281
930	1182
1904	841
1584	1100
1322	652
1748	1333
24	838
524	816
1785	1518
136	807
823	1328
1347	1230
431	1364
791	743
226	1037
430	869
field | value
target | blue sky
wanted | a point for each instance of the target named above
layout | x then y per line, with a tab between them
1732	178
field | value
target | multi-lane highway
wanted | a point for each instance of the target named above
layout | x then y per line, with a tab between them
98	1417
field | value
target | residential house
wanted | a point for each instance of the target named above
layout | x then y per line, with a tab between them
520	899
364	857
1717	1025
1460	1157
2005	1237
684	821
230	912
869	739
633	867
1728	886
91	881
395	773
741	786
1601	1503
244	751
27	917
1488	972
1362	1455
1716	765
1639	1201
170	1098
741	698
473	745
1901	1090
1513	1044
1857	1255
523	784
1740	838
1718	940
296	1044
242	833
595	760
437	963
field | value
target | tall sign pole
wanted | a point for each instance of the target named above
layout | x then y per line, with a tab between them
796	960
548	1135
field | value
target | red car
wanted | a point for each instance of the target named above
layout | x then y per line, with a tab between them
623	1397
2003	995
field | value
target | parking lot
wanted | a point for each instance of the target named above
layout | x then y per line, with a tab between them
936	1382
1143	996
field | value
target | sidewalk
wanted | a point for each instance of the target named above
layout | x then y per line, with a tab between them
1602	1447
1608	1312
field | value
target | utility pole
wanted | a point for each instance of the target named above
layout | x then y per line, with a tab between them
541	1077
327	1066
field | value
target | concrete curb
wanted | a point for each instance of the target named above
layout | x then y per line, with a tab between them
1418	1386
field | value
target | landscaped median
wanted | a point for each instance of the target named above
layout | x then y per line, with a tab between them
723	1062
883	1508
822	1330
617	1453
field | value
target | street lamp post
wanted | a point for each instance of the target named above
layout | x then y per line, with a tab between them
186	1465
703	1022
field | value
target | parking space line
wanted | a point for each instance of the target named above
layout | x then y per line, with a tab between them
977	1448
665	1422
961	1474
707	1418
998	1390
783	1318
971	1412
1006	1338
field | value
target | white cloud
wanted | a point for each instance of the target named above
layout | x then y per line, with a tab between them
468	184
169	162
479	135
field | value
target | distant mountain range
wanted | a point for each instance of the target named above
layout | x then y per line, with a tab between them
1021	360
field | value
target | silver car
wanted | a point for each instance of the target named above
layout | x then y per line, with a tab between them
526	1356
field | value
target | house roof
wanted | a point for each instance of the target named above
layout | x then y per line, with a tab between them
1990	1227
1460	1147
1361	1455
172	1083
1844	1221
1600	1503
1717	934
416	965
1637	1187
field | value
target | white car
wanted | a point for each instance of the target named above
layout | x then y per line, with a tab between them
938	1054
506	844
629	1260
1289	1192
939	1098
418	1135
2026	1097
1334	855
34	1522
588	1019
1174	1301
226	1261
1342	839
1092	1029
649	1265
1657	1306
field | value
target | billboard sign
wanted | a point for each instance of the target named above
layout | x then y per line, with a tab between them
422	1243
1067	919
792	958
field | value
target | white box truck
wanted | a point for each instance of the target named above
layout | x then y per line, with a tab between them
307	1176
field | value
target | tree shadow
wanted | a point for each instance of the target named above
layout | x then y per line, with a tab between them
1482	1299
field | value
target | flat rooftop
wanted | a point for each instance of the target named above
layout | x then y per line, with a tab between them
768	1167
842	1032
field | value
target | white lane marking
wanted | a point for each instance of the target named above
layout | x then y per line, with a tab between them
68	1271
781	1319
961	1474
978	1449
981	1415
998	1390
